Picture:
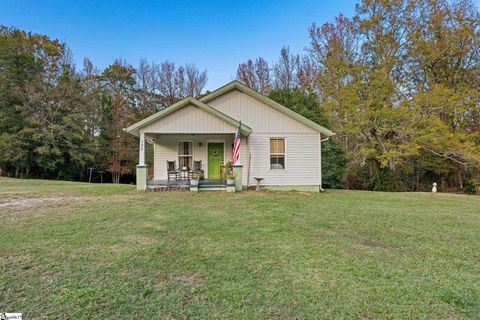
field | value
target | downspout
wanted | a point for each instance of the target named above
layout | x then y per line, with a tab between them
249	161
321	140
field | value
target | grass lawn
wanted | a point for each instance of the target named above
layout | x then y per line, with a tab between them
73	250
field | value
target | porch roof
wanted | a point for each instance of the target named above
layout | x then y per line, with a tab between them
135	128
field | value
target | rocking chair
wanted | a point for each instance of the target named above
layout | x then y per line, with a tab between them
172	171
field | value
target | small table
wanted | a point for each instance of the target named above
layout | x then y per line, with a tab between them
184	173
259	179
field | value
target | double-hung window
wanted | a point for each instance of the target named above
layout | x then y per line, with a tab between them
185	154
277	153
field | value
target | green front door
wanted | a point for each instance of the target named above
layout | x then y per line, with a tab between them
215	159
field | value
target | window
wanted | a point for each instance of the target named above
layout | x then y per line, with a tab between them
277	153
185	154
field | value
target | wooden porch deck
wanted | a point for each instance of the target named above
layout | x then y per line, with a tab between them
184	185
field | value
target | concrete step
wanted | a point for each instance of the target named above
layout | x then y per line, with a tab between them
212	188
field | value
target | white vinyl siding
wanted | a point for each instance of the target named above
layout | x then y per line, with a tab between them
257	115
302	153
190	119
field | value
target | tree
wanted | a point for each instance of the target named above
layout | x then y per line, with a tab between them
285	70
41	106
195	81
175	83
118	84
387	81
444	59
147	82
255	75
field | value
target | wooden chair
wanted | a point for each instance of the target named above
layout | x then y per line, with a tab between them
172	170
196	171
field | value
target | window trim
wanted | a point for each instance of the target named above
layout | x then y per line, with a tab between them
270	153
178	151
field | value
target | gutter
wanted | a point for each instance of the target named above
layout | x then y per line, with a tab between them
323	140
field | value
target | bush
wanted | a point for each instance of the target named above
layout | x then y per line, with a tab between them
389	181
333	164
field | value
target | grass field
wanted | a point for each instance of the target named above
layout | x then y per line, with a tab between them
74	250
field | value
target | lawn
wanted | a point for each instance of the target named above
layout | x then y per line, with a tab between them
73	250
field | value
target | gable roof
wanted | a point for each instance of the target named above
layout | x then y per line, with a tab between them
134	128
275	105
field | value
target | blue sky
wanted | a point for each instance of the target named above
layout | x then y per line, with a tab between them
215	35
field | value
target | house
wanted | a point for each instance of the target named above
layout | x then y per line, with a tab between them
277	144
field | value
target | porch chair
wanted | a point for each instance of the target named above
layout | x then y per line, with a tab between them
196	171
172	170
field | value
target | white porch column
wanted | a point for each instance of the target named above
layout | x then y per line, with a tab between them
142	174
141	149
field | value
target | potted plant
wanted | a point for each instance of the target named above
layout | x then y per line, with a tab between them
230	176
194	181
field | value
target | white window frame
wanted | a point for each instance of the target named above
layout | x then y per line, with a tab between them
284	154
178	151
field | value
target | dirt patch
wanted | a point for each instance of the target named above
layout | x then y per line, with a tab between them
117	248
27	203
372	242
16	259
168	252
140	239
368	241
187	279
50	276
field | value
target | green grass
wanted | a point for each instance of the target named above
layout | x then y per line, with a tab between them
107	251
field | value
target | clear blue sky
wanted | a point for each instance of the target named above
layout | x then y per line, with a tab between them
215	35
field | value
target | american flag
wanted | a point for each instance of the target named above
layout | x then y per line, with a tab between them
236	146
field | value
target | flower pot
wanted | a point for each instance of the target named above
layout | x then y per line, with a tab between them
194	182
230	181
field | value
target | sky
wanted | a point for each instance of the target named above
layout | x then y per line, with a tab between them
215	35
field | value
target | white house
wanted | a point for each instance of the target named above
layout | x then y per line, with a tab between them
277	144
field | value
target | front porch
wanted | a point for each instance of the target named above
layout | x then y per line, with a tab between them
179	158
187	136
185	185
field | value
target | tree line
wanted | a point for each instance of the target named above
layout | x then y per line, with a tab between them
56	120
399	83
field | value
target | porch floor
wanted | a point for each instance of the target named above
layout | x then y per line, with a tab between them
183	185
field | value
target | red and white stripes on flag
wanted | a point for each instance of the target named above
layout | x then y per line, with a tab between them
236	146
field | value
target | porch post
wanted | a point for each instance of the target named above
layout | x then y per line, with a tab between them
142	169
238	170
141	149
